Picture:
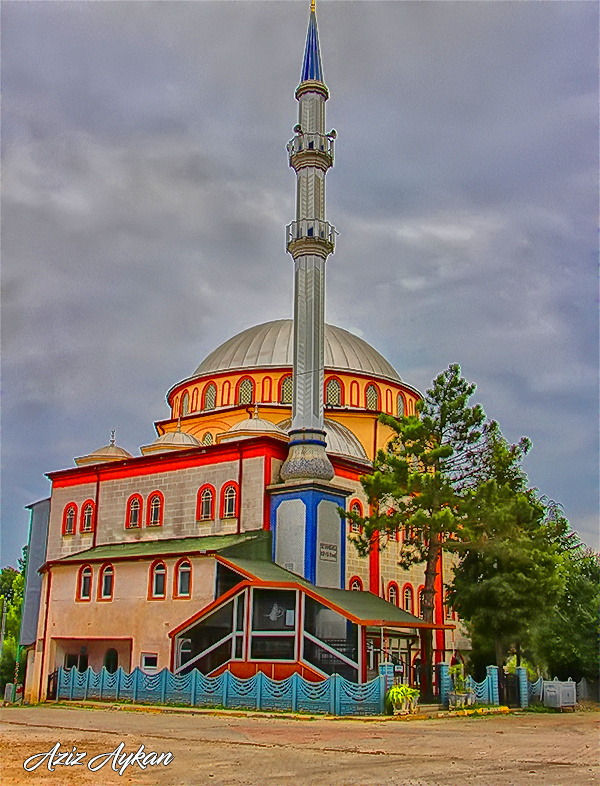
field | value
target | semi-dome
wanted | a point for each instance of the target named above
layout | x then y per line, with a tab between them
339	438
252	427
272	344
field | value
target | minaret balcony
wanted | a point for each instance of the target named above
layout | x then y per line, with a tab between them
310	236
311	150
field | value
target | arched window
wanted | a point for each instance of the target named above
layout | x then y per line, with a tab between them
400	405
207	439
155	510
245	391
87	516
134	512
421	597
205	508
69	518
111	660
372	397
158	580
183	579
355	584
388	402
106	583
209	397
355	507
229	498
333	393
286	393
393	593
407	598
185	404
84	583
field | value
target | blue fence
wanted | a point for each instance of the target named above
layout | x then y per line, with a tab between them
486	692
335	695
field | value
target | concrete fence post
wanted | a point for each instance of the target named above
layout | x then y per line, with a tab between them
445	683
493	687
523	684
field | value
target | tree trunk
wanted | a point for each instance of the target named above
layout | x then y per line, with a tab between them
427	610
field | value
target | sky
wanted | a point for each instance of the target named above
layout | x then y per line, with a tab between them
146	191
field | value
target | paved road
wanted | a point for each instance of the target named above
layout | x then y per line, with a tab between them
226	750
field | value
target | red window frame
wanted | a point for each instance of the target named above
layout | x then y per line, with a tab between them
355	579
82	516
420	591
201	490
331	378
378	391
354	503
79	597
195	400
139	499
408	586
235	486
282	379
176	592
266	388
161	509
393	585
101	598
68	506
237	391
205	390
151	596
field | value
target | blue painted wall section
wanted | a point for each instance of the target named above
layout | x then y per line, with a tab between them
311	495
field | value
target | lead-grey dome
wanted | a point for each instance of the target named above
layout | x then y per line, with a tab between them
271	344
338	437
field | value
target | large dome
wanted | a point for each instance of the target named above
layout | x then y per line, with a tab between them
271	344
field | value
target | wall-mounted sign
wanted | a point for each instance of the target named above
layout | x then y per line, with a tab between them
328	552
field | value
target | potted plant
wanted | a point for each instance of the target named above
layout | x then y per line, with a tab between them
461	694
403	699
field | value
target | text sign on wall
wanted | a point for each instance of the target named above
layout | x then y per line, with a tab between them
328	552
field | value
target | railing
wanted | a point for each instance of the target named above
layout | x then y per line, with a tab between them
334	695
485	692
307	142
310	228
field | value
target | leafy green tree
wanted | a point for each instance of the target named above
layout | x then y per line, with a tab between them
12	587
509	573
420	479
566	640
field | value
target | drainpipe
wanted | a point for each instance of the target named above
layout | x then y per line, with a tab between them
240	478
96	508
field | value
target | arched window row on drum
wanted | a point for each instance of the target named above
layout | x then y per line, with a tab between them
268	390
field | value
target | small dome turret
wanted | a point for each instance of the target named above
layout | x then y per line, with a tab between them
171	440
110	452
252	427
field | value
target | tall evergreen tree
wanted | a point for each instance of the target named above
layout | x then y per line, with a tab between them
420	480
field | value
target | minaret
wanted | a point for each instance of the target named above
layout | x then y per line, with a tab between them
308	533
310	240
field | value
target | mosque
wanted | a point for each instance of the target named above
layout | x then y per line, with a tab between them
222	546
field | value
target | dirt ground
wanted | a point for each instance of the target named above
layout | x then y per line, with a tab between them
247	750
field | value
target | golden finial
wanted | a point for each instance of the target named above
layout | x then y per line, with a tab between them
312	6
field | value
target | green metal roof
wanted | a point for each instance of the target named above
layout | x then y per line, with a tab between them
253	541
364	606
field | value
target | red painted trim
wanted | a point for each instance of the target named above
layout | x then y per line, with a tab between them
237	390
352	579
377	388
78	596
178	565
161	509
266	390
390	585
183	414
164	462
235	485
195	400
374	578
405	586
153	566
137	497
205	390
99	596
438	600
353	504
389	399
67	507
363	644
201	490
226	393
354	393
82	516
41	688
420	590
282	379
266	496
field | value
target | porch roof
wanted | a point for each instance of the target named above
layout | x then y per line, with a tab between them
363	607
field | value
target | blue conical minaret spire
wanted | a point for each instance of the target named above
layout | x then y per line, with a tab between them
311	67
